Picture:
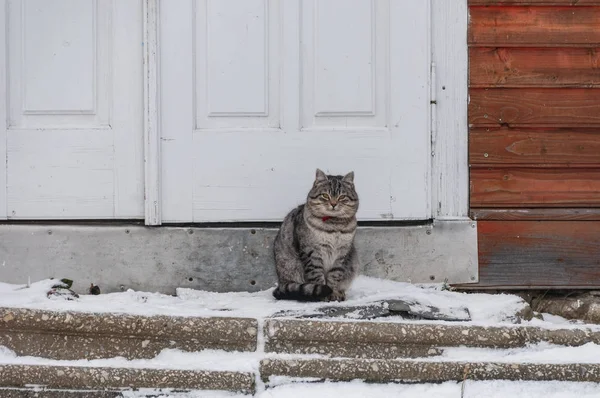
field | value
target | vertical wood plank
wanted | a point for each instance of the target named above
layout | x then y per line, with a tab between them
176	96
3	108
128	109
152	161
450	140
409	109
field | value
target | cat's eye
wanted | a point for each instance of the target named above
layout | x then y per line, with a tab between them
342	197
325	196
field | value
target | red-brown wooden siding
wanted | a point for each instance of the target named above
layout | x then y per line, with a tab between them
534	141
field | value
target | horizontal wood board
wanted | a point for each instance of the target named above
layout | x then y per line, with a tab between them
535	187
534	67
546	107
541	147
535	26
543	214
525	254
534	2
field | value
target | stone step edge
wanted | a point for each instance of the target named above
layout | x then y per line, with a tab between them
232	330
214	329
382	371
84	377
56	393
280	333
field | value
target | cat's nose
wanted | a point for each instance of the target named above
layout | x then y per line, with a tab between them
333	204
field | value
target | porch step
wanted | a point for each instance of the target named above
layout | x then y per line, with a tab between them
379	340
104	381
76	335
384	371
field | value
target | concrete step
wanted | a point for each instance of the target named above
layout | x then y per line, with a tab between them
379	340
384	371
38	392
106	380
76	335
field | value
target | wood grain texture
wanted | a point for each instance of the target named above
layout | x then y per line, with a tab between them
534	26
534	67
450	168
538	254
566	214
550	147
530	187
3	113
534	107
534	2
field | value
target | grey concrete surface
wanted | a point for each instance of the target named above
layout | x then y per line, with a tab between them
381	371
74	335
70	377
218	259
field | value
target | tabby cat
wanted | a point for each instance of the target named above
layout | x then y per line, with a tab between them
315	257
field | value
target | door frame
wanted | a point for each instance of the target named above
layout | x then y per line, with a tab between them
152	141
3	109
449	101
448	86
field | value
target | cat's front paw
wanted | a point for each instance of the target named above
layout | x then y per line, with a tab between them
337	296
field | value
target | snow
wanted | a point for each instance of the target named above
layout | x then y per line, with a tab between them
487	389
166	359
357	389
533	353
485	309
249	361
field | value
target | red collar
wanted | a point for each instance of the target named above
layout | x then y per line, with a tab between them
325	218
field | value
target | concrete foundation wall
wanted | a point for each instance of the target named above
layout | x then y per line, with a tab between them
219	259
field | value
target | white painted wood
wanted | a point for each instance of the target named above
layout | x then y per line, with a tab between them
177	120
127	110
450	143
3	108
281	88
75	118
152	162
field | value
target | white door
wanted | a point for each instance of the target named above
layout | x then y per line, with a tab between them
73	107
256	94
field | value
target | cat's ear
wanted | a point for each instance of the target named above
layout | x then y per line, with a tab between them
320	177
349	178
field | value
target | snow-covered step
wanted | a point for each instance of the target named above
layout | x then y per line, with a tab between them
382	340
88	378
80	335
384	371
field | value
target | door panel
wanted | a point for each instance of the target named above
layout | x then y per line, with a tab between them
255	95
74	131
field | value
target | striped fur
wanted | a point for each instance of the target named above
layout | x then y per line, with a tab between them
314	250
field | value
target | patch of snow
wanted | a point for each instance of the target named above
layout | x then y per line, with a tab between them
487	389
188	302
485	309
215	360
145	392
556	320
166	359
534	353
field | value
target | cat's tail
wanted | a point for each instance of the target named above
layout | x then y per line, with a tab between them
301	291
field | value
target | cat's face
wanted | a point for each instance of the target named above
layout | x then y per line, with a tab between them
333	196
